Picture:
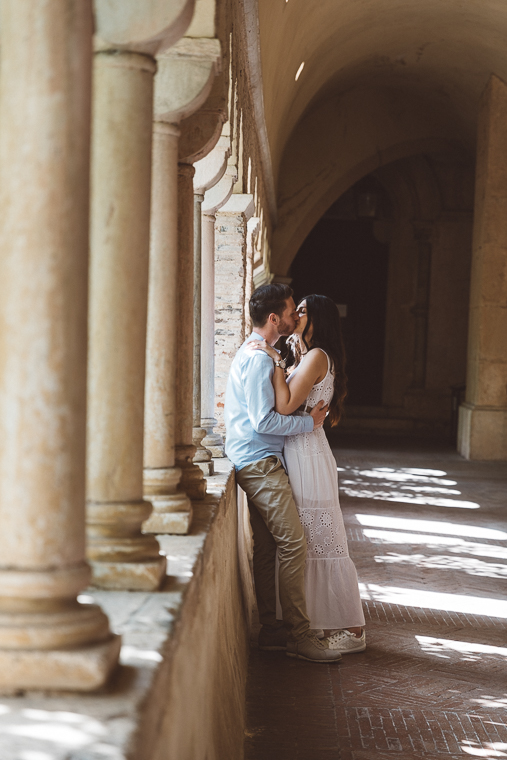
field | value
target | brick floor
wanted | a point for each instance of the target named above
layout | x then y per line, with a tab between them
427	531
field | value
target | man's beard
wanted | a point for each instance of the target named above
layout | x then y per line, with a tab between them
286	328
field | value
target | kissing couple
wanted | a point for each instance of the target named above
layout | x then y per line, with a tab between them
275	439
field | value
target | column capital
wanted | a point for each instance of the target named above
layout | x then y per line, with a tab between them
216	196
210	170
161	127
125	59
125	24
185	77
239	203
186	170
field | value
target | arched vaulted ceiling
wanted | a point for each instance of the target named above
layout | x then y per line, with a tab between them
382	80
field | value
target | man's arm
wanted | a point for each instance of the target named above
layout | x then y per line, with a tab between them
260	398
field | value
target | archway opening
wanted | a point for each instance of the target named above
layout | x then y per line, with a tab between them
394	253
344	259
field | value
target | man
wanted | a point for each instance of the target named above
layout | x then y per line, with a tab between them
254	443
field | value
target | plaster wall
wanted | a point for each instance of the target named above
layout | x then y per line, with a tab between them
347	136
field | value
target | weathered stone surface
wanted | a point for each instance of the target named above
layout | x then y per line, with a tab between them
161	477
483	419
230	282
84	669
143	575
168	522
44	169
160	704
192	482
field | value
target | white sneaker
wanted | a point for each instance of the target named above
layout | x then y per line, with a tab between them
347	642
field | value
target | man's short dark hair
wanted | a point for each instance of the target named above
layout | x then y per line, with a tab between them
268	299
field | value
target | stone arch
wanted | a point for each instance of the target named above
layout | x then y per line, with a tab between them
287	239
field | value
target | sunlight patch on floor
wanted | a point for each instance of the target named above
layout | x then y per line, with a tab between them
431	526
488	750
434	600
405	485
468	565
470	651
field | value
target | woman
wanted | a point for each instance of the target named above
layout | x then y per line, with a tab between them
332	592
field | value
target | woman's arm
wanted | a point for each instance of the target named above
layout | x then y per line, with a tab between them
289	397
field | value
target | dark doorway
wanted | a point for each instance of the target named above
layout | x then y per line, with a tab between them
342	259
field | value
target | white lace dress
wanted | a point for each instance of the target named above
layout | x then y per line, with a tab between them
332	593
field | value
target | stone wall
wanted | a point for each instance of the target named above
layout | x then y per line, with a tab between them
203	692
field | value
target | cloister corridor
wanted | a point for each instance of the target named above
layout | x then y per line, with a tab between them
427	531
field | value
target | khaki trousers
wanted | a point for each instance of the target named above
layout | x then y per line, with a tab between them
276	524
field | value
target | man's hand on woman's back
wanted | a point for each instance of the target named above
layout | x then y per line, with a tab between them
319	414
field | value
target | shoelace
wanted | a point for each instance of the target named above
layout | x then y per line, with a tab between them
340	636
318	643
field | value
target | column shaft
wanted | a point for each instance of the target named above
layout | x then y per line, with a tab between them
192	480
421	305
172	510
121	182
44	169
202	456
483	418
212	441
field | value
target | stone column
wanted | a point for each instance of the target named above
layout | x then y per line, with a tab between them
122	557
215	178
184	80
172	509
230	274
212	441
192	479
483	417
420	309
48	639
202	456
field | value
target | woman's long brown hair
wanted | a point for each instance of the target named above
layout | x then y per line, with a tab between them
323	314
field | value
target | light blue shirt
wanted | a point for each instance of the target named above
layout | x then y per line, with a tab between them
254	430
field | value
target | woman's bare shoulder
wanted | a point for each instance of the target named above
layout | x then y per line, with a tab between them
314	365
317	356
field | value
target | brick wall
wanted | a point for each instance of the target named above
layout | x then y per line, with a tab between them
230	276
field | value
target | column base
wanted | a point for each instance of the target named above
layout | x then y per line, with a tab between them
82	669
202	455
192	479
212	441
207	468
482	432
50	624
170	520
129	576
172	509
121	557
